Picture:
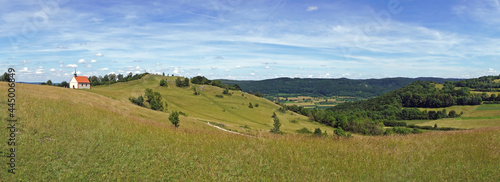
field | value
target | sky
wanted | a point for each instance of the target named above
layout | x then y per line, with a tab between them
250	40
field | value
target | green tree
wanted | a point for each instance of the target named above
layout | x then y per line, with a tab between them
163	82
174	118
49	82
276	126
148	93
64	84
318	132
250	105
339	132
5	77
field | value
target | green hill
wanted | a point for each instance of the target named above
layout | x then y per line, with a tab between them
233	110
99	135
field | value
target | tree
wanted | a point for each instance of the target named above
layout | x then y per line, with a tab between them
5	77
250	105
317	132
148	93
276	126
163	74
236	87
120	77
339	132
163	82
174	118
156	103
226	91
64	84
195	91
49	82
186	82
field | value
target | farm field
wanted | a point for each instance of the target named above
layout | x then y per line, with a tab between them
486	115
315	102
99	135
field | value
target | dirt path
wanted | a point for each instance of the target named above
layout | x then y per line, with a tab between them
220	128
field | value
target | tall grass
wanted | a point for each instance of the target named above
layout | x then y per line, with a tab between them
68	135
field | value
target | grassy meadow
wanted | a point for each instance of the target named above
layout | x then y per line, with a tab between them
98	135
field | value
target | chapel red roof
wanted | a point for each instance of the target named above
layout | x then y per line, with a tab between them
82	79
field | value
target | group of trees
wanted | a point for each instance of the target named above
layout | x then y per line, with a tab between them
114	78
153	99
182	82
201	80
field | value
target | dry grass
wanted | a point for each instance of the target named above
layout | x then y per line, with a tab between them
74	135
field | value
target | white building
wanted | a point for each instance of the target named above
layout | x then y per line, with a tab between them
79	82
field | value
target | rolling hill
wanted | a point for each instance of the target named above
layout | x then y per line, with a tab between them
99	135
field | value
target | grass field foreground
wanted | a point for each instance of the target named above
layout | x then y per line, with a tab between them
68	135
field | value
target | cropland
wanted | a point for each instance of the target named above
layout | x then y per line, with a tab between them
99	135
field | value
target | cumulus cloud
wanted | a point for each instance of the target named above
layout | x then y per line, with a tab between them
88	66
82	61
52	69
26	61
98	54
491	70
71	65
104	69
312	8
213	67
93	61
25	69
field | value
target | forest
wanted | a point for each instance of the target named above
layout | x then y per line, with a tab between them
315	87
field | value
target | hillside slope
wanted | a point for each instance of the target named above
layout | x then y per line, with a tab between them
76	135
233	111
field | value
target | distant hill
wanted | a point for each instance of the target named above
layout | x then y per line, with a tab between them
366	88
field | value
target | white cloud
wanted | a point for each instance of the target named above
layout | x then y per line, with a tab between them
267	67
71	65
52	69
82	61
213	67
98	54
26	61
88	66
312	8
104	69
491	70
93	61
25	69
39	70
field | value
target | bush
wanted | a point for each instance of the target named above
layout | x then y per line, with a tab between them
317	132
294	121
277	125
250	105
219	96
174	118
339	132
256	104
163	83
303	131
137	101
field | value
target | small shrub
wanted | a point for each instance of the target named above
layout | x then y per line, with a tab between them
277	125
317	132
303	131
219	96
182	113
256	104
174	118
250	105
294	121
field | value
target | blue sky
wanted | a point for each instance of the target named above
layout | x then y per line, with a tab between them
251	40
